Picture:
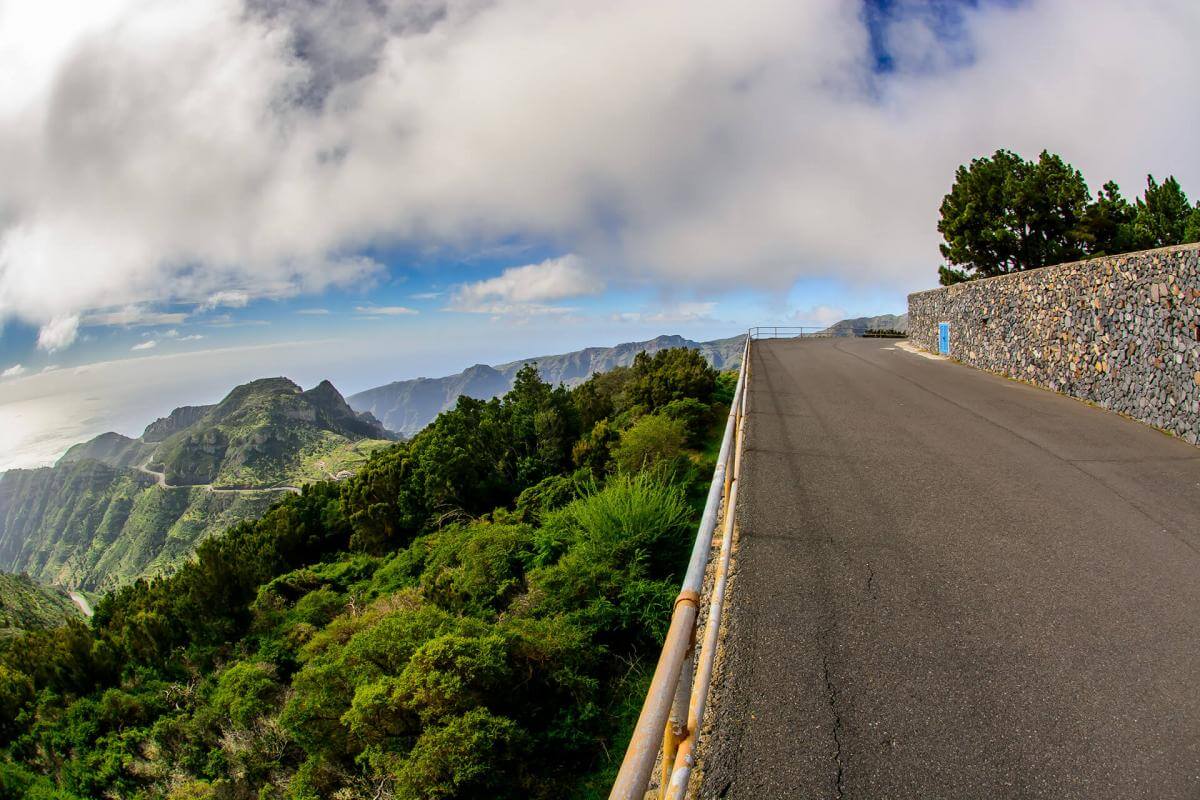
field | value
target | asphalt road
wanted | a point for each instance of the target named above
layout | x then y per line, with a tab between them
160	479
951	585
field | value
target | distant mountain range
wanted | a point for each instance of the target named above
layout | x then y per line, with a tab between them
117	507
408	406
860	325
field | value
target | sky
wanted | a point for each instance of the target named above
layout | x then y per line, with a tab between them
197	194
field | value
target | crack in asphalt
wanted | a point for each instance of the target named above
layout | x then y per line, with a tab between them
840	776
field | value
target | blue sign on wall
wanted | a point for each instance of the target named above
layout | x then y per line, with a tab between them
944	338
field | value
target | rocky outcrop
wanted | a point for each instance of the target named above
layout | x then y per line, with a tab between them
1122	332
177	420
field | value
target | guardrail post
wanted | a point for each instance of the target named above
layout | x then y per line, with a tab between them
677	723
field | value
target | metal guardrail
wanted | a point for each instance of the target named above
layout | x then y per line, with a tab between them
789	332
674	707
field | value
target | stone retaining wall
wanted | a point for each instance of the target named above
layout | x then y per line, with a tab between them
1122	332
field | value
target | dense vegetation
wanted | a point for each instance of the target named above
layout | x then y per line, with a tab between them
470	616
1005	214
27	605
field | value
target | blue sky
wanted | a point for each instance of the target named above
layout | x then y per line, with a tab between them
198	194
410	303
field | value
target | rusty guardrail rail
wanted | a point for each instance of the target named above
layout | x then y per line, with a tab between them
674	707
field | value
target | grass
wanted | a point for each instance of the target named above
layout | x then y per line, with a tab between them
325	459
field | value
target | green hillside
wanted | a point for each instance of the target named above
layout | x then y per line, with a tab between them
98	518
474	614
26	605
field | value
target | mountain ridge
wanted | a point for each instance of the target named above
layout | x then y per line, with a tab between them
406	406
114	507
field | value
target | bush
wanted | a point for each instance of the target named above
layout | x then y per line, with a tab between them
654	442
474	755
632	515
725	387
696	417
594	451
16	691
549	494
244	693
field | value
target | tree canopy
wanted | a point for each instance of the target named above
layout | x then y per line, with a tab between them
1005	214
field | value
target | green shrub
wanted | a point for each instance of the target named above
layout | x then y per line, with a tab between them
244	693
654	442
696	417
475	755
547	495
16	692
453	674
594	451
726	385
478	568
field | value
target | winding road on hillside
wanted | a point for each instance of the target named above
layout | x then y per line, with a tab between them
952	585
161	480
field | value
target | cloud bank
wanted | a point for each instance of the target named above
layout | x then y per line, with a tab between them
216	152
530	289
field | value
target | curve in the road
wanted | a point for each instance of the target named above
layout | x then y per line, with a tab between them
160	480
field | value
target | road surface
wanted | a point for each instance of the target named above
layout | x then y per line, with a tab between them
951	585
161	480
81	602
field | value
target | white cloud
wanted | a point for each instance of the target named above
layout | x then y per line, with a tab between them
150	344
192	337
387	311
12	372
674	313
315	312
225	299
228	321
820	315
58	333
426	295
133	316
528	288
690	143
